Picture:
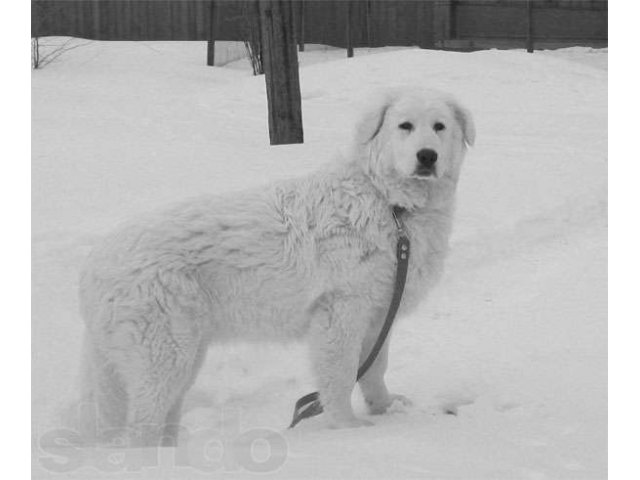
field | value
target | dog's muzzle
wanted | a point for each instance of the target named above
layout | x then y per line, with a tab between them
427	159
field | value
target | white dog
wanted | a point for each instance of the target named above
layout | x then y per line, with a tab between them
310	258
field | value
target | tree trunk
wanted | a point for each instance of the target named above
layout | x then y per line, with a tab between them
280	63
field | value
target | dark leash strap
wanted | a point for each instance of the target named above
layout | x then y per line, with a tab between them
309	405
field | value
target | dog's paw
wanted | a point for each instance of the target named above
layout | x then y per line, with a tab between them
378	407
401	399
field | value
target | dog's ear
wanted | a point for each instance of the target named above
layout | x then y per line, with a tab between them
372	120
465	120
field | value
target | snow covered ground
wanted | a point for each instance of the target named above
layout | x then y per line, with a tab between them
513	341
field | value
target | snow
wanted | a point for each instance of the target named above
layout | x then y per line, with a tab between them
513	341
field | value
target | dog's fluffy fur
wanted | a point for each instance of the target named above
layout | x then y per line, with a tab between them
309	258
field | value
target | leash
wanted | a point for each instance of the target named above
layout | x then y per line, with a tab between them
309	405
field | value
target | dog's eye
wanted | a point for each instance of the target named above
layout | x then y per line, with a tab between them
438	126
408	126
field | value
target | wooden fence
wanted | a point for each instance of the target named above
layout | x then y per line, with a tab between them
449	24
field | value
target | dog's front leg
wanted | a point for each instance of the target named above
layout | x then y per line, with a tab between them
372	384
337	331
374	390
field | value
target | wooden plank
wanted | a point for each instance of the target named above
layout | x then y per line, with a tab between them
442	21
530	26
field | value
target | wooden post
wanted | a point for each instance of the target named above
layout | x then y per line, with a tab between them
211	41
530	26
349	39
280	62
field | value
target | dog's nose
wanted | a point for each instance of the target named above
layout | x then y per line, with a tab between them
427	157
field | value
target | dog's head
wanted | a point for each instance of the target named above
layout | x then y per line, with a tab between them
415	134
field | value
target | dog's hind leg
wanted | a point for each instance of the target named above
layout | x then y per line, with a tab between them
172	426
102	406
337	331
156	339
157	381
134	385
